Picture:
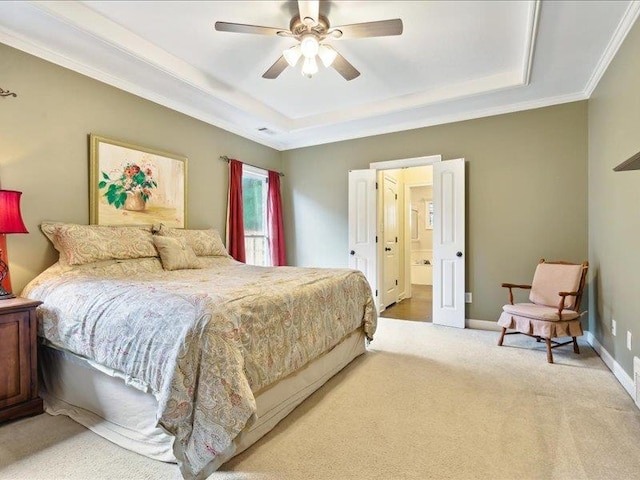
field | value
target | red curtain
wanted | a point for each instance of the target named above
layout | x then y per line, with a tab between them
275	220
235	218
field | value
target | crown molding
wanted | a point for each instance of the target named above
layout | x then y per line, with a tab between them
627	21
440	120
530	41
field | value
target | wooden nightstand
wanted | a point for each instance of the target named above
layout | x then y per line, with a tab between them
18	359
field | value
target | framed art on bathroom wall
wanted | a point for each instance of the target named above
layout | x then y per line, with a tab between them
429	215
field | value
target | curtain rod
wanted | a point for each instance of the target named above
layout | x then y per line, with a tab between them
227	159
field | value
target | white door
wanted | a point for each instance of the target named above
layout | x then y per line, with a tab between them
449	243
390	240
362	225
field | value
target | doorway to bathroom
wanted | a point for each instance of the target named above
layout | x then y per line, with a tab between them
366	231
416	299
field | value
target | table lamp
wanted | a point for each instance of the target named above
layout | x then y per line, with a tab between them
10	222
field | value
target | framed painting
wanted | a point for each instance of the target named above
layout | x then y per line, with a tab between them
133	185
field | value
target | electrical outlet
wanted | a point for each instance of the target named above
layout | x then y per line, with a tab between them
628	339
613	327
468	298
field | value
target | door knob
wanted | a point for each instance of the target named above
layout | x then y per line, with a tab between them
459	254
352	252
387	249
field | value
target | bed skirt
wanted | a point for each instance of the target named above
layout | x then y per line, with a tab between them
102	402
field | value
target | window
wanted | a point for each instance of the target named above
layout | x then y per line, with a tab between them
254	205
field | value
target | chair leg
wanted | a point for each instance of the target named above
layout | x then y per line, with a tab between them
501	339
549	354
575	345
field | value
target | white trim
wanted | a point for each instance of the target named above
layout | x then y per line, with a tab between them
625	380
627	21
258	171
636	378
406	162
530	41
315	138
15	41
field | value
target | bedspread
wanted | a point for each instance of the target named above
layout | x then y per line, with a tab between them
204	341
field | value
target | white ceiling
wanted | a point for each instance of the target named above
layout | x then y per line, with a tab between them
455	60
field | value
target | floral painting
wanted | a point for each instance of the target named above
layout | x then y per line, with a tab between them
136	185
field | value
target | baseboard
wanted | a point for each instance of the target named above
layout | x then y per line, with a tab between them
482	325
625	380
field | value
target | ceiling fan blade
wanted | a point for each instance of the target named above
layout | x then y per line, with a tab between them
255	29
382	28
276	69
344	68
309	11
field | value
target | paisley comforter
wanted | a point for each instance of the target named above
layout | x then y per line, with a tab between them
203	341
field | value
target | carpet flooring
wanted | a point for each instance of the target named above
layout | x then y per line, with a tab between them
425	402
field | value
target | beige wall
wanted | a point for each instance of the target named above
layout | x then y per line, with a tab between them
526	194
44	150
520	168
614	204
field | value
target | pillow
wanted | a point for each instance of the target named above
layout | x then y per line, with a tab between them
205	243
81	244
175	253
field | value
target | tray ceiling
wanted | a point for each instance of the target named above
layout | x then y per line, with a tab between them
455	60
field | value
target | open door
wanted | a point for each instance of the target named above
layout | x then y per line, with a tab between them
389	237
449	243
362	225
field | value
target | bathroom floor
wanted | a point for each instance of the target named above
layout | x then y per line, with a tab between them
417	308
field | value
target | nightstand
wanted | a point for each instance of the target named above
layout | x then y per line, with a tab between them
18	359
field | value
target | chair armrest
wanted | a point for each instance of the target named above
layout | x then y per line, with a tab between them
515	285
563	295
568	294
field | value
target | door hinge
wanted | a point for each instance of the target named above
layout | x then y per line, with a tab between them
376	185
396	282
376	293
396	239
396	196
376	238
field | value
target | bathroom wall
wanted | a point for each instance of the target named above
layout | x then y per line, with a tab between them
420	196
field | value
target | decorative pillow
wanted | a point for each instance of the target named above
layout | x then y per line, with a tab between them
205	243
81	244
175	253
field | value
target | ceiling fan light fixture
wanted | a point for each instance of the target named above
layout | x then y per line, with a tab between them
309	46
309	67
327	54
292	55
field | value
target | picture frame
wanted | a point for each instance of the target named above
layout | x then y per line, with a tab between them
135	185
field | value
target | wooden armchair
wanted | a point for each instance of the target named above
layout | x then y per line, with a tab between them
556	293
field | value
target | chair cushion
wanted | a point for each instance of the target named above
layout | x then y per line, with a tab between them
551	278
541	328
539	312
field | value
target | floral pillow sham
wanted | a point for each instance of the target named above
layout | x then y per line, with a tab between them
82	244
205	243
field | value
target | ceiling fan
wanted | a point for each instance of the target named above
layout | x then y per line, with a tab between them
311	29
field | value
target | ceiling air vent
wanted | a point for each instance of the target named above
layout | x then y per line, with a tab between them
266	130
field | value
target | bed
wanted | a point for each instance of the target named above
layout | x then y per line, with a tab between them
163	344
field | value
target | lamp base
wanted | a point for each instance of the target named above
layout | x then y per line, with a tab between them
4	295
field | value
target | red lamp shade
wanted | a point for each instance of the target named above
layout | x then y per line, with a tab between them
10	217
